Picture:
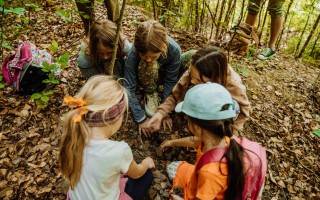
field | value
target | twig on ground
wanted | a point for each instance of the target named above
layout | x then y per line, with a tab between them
261	126
297	158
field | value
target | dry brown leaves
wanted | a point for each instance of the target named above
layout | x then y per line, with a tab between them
283	117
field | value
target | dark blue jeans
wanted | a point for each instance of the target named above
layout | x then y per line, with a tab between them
138	188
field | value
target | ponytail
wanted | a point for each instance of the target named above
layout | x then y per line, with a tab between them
75	136
236	179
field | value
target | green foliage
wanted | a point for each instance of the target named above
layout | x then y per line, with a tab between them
32	7
243	71
316	132
1	85
65	14
54	46
42	98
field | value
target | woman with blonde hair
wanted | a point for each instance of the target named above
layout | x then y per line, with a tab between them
153	60
96	51
90	160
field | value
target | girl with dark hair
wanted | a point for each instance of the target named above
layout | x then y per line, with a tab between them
97	50
206	65
210	112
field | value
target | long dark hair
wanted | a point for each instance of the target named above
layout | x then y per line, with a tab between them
103	32
234	155
212	63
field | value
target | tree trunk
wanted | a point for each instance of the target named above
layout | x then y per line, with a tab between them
314	44
285	20
216	11
196	20
219	19
202	17
263	24
233	11
115	47
302	33
154	9
309	37
212	17
260	13
227	16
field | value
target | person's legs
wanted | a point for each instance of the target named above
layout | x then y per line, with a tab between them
113	11
275	8
253	10
276	27
138	188
86	13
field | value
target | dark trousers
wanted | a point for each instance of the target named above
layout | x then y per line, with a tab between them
138	188
86	12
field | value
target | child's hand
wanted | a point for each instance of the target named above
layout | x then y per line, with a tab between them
144	128
148	162
155	122
167	123
166	143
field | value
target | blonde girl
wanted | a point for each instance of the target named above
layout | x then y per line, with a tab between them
90	159
97	50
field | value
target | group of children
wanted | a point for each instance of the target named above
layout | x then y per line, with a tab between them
209	92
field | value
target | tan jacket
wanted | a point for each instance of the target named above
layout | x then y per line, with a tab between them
234	86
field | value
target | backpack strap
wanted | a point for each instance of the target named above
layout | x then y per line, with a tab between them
213	155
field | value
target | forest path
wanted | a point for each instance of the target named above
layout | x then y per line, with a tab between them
283	117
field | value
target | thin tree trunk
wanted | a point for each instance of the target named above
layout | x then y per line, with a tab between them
285	20
115	47
219	19
212	17
314	44
302	33
263	24
154	9
202	17
242	13
227	17
309	37
260	13
196	20
216	11
233	11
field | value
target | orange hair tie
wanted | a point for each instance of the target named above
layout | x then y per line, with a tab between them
80	106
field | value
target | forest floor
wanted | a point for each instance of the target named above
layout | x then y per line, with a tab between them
284	117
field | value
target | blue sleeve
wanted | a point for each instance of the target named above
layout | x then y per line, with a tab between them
130	76
172	68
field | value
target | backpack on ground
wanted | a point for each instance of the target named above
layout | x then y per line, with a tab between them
241	38
255	164
23	69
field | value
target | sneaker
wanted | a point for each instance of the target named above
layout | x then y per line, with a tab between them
151	103
267	53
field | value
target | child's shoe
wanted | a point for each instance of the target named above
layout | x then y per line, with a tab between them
267	53
151	103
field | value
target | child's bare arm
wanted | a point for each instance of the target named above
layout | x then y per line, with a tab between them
191	141
137	170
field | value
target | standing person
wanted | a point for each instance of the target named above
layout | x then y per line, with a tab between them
154	59
96	51
89	159
275	8
207	65
224	169
85	9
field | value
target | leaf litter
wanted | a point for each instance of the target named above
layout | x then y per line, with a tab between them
284	118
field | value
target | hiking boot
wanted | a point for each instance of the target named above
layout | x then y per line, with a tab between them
267	53
151	103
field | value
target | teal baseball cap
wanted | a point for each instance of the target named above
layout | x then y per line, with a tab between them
205	101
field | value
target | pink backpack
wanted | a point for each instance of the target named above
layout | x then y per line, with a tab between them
22	70
255	163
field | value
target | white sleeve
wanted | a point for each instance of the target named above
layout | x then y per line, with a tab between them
126	158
